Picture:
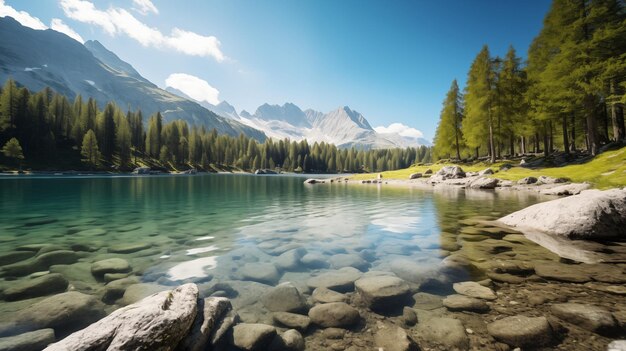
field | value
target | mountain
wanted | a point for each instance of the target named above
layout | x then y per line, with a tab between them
40	58
343	126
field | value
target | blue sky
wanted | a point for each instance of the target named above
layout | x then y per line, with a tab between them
393	61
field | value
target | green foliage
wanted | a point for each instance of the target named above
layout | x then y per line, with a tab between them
13	149
89	149
449	136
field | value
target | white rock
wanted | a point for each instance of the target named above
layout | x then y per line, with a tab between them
157	322
592	214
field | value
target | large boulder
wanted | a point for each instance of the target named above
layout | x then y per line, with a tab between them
522	331
484	183
158	322
335	314
567	189
592	214
448	172
384	292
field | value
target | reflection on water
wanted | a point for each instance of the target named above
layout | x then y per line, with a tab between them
205	228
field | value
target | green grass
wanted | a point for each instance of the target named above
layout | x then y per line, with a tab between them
607	170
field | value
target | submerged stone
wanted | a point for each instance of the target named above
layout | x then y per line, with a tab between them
589	317
27	288
335	314
31	341
284	298
522	331
383	292
253	336
473	289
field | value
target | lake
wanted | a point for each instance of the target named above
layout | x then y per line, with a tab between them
236	235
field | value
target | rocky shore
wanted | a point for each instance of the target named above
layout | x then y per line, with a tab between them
455	177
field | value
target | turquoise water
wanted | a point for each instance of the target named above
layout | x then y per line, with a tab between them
206	228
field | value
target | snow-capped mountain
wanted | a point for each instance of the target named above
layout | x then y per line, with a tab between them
343	126
46	58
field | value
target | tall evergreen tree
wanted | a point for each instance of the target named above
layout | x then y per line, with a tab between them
449	137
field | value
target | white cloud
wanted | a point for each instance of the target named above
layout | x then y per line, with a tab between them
144	7
194	87
116	21
58	25
21	16
401	129
27	20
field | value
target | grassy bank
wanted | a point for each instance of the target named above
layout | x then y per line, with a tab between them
607	170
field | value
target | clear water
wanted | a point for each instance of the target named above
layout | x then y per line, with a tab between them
203	228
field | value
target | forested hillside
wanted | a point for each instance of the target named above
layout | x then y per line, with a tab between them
568	96
44	130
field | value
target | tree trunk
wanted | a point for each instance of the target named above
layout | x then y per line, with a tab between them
620	123
573	119
511	145
477	152
546	141
536	143
551	140
523	145
565	139
492	147
592	137
456	135
605	127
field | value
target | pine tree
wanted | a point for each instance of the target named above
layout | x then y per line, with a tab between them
478	124
13	149
89	148
449	137
8	105
123	140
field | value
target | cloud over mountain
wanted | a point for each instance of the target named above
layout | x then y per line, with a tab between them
400	129
194	87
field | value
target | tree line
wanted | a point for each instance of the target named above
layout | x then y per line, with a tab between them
569	95
46	125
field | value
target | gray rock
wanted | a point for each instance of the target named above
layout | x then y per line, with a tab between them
393	338
450	172
484	183
465	303
252	336
210	313
426	301
64	313
550	180
561	272
111	265
31	341
291	340
335	314
473	289
314	260
522	331
589	317
485	171
292	320
129	248
115	289
41	286
448	332
284	298
384	292
341	280
136	292
15	256
592	214
527	180
289	260
415	175
158	322
348	260
265	273
39	263
325	295
567	189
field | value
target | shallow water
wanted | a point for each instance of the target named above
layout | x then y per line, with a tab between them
205	228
